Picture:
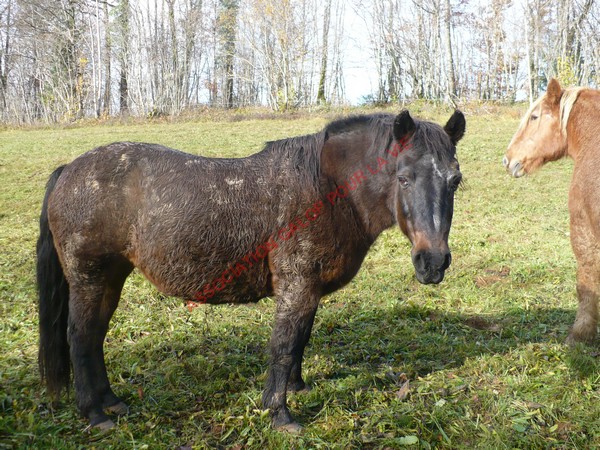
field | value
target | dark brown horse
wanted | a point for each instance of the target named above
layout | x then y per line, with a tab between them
294	220
567	123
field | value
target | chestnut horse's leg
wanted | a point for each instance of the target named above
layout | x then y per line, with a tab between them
91	306
296	307
587	252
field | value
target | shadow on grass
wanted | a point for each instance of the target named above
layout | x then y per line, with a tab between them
193	380
352	349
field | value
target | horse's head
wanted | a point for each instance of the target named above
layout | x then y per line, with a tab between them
427	175
540	137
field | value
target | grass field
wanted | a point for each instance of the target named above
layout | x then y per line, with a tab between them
478	361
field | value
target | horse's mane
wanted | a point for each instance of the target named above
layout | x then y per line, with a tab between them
431	136
434	139
302	154
567	100
379	125
299	157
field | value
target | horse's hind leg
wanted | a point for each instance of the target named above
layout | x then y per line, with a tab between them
93	300
587	253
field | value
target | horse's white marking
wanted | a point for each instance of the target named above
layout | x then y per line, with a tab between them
435	168
436	212
436	222
234	181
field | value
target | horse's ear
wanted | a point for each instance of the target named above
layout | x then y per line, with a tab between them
455	128
554	92
404	126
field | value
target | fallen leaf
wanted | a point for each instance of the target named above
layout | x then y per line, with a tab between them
479	323
408	440
404	390
534	405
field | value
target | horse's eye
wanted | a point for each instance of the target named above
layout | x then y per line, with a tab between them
454	183
533	117
404	183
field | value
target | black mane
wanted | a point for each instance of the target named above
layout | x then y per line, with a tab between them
300	157
429	137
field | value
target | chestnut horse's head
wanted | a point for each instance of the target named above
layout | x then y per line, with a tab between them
542	135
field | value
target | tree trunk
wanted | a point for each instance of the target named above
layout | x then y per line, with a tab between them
227	34
123	20
451	92
175	100
106	98
4	64
326	18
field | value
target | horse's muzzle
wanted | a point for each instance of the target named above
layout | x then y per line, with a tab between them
515	168
430	267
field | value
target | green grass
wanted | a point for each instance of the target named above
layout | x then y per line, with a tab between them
483	353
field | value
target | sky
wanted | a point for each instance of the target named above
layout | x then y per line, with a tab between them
359	80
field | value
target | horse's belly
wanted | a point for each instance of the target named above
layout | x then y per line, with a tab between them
214	284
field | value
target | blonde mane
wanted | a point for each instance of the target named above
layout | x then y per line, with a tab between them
567	100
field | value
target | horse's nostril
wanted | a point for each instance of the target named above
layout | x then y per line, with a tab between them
505	161
516	169
419	261
447	261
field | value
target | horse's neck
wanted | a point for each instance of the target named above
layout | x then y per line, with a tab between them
363	183
583	125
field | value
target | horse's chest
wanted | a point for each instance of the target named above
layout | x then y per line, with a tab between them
340	265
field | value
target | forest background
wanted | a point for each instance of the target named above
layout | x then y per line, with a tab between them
65	60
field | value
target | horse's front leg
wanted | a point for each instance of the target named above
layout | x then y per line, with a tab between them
295	382
296	307
585	248
586	322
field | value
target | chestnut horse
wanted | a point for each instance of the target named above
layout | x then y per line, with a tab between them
565	123
294	221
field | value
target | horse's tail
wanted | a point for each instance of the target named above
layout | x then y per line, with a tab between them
53	357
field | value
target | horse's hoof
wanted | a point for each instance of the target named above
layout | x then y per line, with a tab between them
305	390
299	388
120	409
571	341
292	428
576	338
104	426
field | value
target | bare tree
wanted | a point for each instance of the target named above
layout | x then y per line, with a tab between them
123	31
6	21
325	44
451	78
227	28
